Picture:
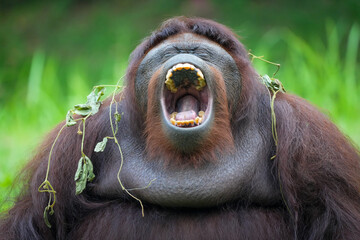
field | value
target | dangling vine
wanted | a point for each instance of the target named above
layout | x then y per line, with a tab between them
84	172
274	86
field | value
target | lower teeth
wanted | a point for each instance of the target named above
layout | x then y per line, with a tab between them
182	123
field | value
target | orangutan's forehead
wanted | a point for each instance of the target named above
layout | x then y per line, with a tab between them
188	38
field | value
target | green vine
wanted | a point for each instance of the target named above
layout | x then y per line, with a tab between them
117	117
84	172
274	86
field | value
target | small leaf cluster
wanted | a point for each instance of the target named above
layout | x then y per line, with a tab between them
89	108
93	103
84	172
272	84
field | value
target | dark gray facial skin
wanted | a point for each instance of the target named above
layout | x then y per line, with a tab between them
202	53
241	174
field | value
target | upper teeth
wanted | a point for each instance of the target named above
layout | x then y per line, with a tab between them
170	83
180	66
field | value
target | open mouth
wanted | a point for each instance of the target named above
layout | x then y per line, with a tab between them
186	96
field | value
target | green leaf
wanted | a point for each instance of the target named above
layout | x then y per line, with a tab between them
80	176
93	103
266	80
100	146
93	99
46	219
84	173
69	119
277	85
81	182
90	169
272	84
100	92
82	109
79	170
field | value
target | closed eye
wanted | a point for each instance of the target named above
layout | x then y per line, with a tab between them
203	53
169	52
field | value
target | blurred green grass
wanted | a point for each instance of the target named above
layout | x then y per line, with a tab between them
54	53
326	73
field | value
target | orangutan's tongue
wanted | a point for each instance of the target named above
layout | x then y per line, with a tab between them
187	108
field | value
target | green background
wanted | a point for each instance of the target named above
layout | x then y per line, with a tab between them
53	52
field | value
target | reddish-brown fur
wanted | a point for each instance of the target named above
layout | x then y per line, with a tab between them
316	168
319	172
